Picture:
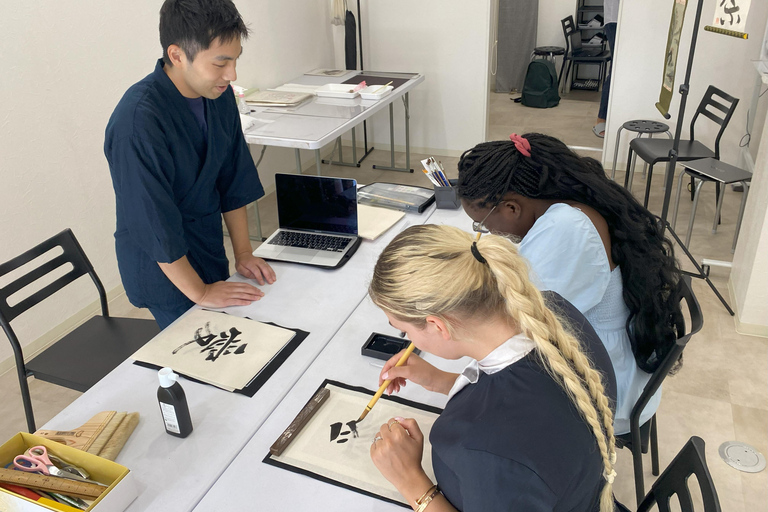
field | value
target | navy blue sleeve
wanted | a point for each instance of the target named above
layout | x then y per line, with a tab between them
489	482
238	182
142	174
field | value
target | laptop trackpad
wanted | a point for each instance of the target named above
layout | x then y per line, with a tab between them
297	253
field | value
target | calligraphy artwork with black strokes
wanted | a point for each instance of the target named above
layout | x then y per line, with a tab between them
339	436
223	344
335	447
731	14
224	350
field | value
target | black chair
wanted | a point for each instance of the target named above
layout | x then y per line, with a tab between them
576	54
640	436
653	151
85	355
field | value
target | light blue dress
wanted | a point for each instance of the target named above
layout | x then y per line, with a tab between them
567	255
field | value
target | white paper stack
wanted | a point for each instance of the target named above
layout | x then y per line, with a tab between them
372	222
276	98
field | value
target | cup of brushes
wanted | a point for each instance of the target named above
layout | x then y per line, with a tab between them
446	192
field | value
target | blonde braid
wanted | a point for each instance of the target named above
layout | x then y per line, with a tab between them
559	351
415	277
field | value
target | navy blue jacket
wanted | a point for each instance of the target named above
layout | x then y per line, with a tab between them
514	441
172	185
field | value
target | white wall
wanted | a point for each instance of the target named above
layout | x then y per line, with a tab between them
749	277
720	60
447	41
550	31
65	66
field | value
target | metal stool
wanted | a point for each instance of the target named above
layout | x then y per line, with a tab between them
641	127
547	52
709	169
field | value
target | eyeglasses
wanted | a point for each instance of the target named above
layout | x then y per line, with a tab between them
479	227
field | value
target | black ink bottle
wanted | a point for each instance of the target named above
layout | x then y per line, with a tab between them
173	404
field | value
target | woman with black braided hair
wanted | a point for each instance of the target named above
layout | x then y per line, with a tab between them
587	239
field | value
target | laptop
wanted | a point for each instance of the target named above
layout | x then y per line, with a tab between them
317	216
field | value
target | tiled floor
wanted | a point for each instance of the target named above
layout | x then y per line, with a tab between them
571	121
720	394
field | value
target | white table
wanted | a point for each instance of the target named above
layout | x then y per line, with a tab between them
248	482
174	474
317	123
320	121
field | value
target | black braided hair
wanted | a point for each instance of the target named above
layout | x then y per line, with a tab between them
649	270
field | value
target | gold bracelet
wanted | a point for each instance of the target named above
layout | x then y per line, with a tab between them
426	498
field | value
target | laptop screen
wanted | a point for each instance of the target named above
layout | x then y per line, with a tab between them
316	203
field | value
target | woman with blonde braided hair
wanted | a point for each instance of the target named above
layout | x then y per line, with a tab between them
529	423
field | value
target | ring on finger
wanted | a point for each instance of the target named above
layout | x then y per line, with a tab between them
377	438
389	425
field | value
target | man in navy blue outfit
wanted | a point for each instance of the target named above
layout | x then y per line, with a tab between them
179	163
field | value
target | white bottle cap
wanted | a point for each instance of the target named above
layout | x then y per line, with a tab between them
167	377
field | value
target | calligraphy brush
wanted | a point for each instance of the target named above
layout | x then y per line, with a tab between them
386	383
382	87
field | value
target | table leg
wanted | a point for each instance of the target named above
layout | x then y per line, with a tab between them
693	212
718	210
392	167
318	162
616	153
259	235
677	198
392	134
298	160
407	105
355	162
741	214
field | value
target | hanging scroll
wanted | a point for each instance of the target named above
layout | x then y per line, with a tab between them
670	57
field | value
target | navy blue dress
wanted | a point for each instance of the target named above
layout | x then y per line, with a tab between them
172	184
514	441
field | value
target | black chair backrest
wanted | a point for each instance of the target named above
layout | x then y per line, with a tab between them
572	36
674	481
718	101
73	254
697	321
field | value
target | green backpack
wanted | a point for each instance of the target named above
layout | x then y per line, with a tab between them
540	87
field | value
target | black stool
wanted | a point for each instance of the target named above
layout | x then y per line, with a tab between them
547	52
641	127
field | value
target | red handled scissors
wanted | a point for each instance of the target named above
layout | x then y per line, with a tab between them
36	460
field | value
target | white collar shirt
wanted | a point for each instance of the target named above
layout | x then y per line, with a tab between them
509	352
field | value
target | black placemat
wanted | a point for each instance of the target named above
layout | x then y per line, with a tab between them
377	80
272	462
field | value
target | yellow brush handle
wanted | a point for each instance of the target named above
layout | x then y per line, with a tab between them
386	383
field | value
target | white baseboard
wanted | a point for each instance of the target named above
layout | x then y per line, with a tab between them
61	330
741	327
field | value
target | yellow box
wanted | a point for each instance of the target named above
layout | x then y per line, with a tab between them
120	493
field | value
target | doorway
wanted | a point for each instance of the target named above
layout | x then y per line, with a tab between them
510	50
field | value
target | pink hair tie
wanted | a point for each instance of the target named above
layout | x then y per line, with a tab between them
522	144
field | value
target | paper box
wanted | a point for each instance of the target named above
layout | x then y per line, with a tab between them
116	498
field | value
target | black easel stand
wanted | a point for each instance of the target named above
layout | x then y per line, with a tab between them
670	175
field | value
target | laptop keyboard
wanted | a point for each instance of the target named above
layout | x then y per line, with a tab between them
311	241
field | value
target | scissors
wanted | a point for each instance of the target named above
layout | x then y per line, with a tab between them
36	460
